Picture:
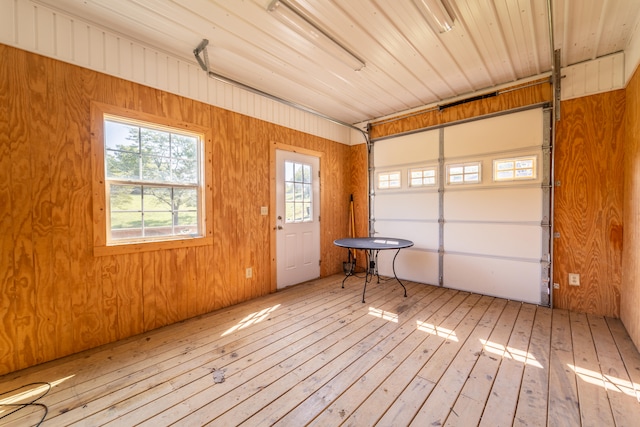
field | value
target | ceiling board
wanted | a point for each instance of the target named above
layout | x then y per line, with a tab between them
494	42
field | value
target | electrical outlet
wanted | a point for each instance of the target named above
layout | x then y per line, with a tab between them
574	279
264	210
249	273
556	285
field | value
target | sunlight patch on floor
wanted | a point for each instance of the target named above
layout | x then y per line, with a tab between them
510	353
437	330
252	319
609	382
386	315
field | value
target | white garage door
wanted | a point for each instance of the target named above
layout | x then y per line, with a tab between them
475	200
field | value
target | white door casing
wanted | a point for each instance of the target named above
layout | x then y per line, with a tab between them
297	218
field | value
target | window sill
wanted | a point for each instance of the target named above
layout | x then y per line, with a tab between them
151	246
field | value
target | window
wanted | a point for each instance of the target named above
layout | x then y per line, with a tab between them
298	192
150	182
389	180
423	177
466	173
514	169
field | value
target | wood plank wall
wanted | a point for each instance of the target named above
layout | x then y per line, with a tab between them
630	303
588	203
56	298
589	152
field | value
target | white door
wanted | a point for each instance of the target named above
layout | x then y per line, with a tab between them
297	218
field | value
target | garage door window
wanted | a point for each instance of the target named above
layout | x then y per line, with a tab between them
514	169
466	173
423	177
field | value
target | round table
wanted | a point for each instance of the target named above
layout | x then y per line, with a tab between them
372	246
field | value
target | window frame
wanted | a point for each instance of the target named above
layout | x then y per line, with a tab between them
423	169
103	245
378	174
534	168
464	165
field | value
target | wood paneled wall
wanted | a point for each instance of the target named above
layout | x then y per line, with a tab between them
56	297
588	203
630	301
518	96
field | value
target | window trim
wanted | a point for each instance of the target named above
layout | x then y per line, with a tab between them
463	165
433	168
101	244
534	168
378	174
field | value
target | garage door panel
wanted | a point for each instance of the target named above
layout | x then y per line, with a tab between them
501	204
497	277
505	240
424	235
407	149
405	205
507	132
411	264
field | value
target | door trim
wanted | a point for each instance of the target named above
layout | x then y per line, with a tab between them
272	202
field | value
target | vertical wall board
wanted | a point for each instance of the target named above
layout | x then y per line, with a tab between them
7	24
64	37
80	43
589	150
630	287
8	109
26	25
149	300
45	29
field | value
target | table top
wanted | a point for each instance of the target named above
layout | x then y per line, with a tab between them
375	243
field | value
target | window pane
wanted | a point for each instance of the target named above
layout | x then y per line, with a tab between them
184	147
288	192
155	168
505	174
520	164
298	192
126	225
306	209
505	165
455	178
155	142
122	165
184	171
471	168
125	197
457	170
186	222
307	173
524	173
288	171
120	136
157	199
289	215
158	224
471	177
307	193
297	172
185	199
298	212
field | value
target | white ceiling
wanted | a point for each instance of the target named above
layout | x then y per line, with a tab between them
407	64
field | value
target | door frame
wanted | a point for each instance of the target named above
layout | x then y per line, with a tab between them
272	203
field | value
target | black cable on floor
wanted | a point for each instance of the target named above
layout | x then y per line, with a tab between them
19	406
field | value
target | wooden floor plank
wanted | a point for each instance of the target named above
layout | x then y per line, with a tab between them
564	408
595	408
471	402
534	390
408	403
440	402
315	355
438	329
618	384
501	405
628	352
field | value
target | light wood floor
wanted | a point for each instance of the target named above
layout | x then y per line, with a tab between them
315	354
